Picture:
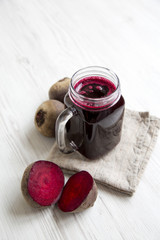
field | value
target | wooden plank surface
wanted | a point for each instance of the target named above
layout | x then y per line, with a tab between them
42	42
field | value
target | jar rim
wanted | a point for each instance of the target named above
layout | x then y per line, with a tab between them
95	103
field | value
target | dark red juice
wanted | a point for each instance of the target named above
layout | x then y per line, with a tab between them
95	130
95	87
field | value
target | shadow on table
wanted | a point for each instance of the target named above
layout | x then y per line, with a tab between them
20	208
114	193
37	144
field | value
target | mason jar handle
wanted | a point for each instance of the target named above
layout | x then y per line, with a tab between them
61	136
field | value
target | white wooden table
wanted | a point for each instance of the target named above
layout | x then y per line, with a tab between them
42	42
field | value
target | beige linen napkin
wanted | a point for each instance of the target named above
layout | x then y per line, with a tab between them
122	168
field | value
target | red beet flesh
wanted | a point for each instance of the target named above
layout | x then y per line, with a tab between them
45	182
75	191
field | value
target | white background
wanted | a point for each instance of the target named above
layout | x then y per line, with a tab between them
42	42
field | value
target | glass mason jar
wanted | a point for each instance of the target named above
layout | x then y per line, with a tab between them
92	121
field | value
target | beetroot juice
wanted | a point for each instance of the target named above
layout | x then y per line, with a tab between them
94	87
97	108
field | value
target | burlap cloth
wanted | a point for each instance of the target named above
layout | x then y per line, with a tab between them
122	168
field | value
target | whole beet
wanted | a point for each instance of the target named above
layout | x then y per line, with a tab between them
58	90
46	115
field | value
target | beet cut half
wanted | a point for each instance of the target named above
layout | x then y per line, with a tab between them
75	193
45	182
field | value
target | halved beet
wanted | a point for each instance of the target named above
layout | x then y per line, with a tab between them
42	183
79	193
